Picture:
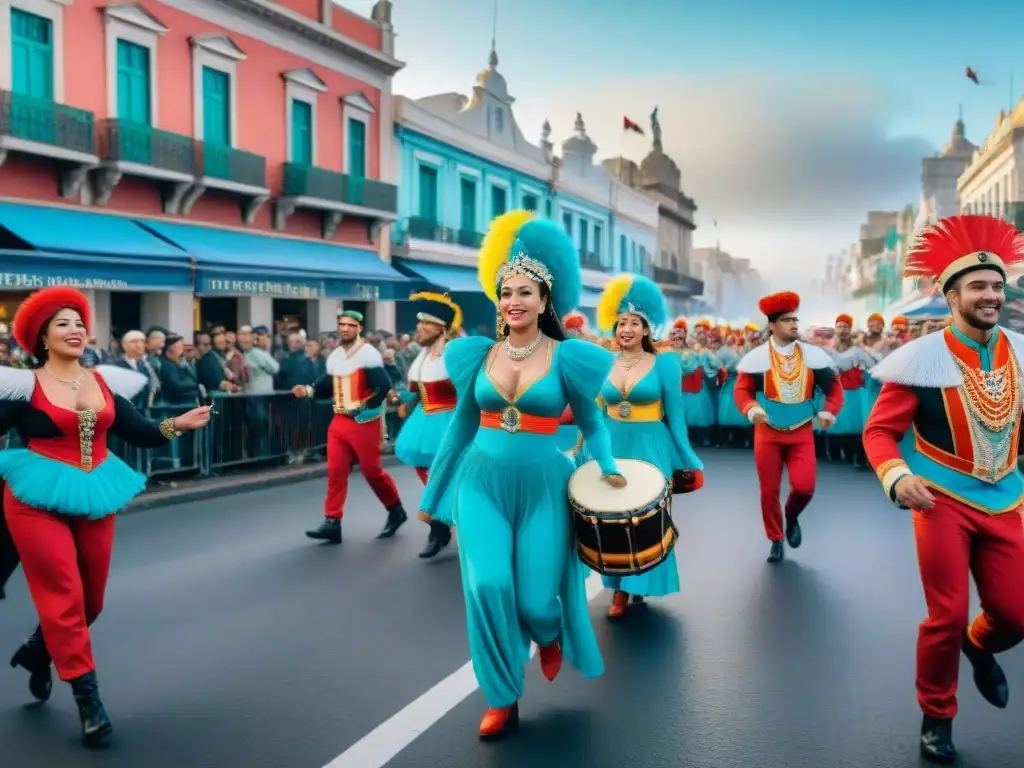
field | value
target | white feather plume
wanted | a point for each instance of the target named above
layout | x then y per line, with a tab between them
122	381
923	362
16	384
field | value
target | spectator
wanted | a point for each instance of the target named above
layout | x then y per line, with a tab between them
212	369
134	358
297	369
178	381
262	365
156	341
236	361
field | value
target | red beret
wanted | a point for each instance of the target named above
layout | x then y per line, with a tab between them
779	303
38	308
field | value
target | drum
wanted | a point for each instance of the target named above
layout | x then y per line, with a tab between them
622	531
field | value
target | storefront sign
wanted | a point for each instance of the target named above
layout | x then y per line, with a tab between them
26	281
366	292
313	289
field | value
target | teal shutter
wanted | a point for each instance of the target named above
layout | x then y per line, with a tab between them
356	148
499	201
31	55
428	193
302	132
216	107
467	222
133	96
530	202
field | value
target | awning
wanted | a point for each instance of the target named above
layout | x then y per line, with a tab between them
231	263
444	276
57	246
927	308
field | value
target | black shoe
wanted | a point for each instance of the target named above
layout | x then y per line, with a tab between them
988	675
96	725
777	552
328	530
33	657
440	537
937	740
793	533
396	519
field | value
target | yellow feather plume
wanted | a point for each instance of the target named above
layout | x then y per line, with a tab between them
495	249
611	299
442	298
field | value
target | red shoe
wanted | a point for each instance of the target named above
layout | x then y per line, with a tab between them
551	660
499	721
619	602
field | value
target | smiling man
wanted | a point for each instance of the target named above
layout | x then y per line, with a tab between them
960	390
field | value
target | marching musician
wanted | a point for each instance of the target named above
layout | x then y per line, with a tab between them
776	384
960	391
643	405
500	457
431	398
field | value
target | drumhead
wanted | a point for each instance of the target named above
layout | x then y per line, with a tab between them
644	485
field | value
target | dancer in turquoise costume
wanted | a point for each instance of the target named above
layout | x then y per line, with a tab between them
852	362
520	577
576	327
643	404
733	426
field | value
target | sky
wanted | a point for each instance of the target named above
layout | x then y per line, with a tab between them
789	120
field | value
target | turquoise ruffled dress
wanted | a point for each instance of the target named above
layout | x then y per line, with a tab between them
700	413
521	579
664	444
850	420
729	415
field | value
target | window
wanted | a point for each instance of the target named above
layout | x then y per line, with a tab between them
549	207
499	201
598	234
623	253
133	96
31	55
216	107
584	231
567	223
302	132
467	220
530	202
356	148
499	120
428	193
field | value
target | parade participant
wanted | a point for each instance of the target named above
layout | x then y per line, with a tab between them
63	490
643	404
431	399
734	429
960	391
776	385
521	579
852	361
358	385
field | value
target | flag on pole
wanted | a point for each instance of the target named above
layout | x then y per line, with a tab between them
629	125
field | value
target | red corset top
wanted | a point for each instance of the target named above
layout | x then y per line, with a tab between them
83	434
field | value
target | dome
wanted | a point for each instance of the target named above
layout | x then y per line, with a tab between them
492	81
579	143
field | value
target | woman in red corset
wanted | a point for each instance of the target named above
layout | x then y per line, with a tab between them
62	490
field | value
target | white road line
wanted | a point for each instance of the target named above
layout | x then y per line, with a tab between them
381	745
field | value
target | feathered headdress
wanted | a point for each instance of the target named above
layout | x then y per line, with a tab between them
517	243
634	295
959	244
704	323
438	308
876	317
844	318
779	304
37	309
575	321
680	323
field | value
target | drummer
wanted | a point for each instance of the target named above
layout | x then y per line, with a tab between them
643	404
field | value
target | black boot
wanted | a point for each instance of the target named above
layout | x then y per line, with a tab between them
777	552
988	675
328	530
937	740
440	537
793	533
396	519
33	657
95	723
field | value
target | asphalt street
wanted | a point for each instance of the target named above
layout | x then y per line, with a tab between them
229	640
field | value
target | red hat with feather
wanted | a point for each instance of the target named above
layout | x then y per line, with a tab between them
956	245
779	304
35	312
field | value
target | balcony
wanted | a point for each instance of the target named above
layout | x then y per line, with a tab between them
420	228
336	195
42	128
685	284
591	260
137	149
230	171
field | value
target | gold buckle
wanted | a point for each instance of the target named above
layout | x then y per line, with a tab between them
511	419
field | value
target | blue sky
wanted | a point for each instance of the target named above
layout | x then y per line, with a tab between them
789	119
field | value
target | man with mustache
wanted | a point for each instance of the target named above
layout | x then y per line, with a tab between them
960	390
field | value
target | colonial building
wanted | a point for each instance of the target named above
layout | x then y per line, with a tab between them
940	175
991	182
464	160
192	161
731	286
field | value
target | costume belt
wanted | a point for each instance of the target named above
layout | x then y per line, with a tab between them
627	411
437	396
512	420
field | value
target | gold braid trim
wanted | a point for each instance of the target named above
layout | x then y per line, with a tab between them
167	429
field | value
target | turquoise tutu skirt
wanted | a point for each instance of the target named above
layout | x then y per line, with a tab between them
850	420
420	437
52	485
728	414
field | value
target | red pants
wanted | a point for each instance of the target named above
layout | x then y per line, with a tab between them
66	562
793	450
348	441
955	541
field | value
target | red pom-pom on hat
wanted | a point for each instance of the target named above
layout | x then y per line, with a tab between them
38	308
779	303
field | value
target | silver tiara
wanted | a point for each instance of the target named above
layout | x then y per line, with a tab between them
522	264
629	308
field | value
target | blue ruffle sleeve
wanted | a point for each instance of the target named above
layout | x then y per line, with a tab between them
670	374
584	368
463	358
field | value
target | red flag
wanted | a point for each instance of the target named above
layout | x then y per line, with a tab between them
629	125
972	75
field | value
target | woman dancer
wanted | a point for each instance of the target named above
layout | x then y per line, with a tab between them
520	578
63	489
644	413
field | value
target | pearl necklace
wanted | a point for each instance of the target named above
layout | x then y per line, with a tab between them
521	353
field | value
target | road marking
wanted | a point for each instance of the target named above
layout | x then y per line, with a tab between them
381	745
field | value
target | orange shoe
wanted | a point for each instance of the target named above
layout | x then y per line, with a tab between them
619	602
551	660
499	721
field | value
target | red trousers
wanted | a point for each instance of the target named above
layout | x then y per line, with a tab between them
349	442
66	562
793	450
955	541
